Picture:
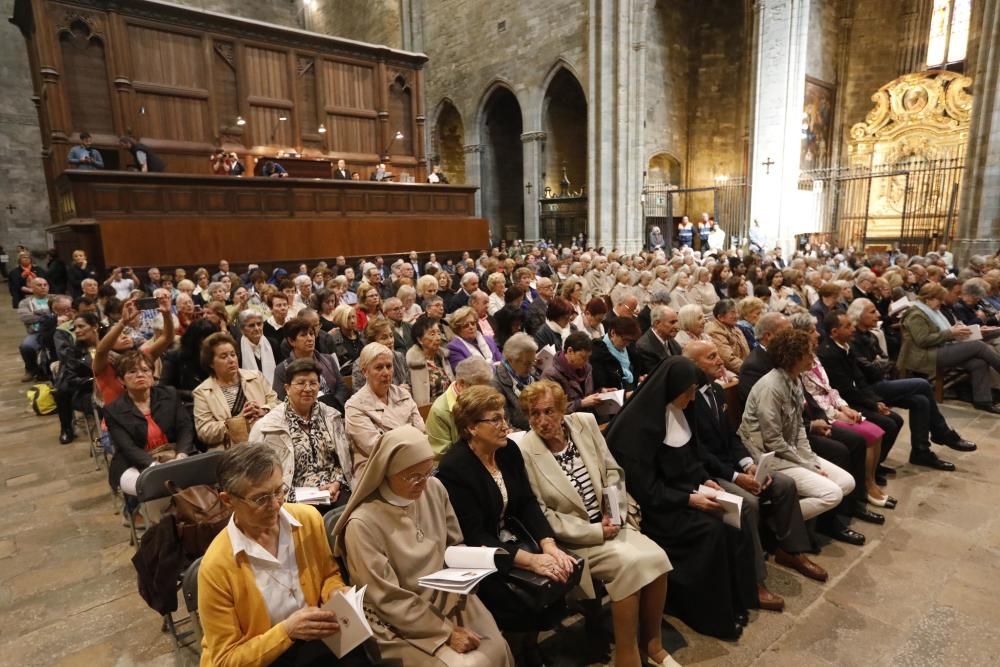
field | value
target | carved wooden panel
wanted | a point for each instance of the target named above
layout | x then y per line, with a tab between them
267	73
85	76
224	83
349	85
349	134
167	58
175	118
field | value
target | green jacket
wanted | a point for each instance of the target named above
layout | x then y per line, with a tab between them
921	339
441	430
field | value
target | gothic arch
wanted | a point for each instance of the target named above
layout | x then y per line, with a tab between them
447	140
564	121
500	125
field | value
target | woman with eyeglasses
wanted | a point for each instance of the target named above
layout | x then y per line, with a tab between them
394	531
491	494
308	436
147	423
469	340
263	578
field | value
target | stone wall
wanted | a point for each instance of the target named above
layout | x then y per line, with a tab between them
373	21
24	199
668	68
821	49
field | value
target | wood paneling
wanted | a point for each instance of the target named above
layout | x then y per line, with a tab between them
177	78
167	58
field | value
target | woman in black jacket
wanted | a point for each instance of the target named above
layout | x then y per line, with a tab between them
182	368
74	385
614	360
492	497
147	424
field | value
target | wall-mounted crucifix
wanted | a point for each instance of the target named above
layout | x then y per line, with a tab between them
11	208
768	163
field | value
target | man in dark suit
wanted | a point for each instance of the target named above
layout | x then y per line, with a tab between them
341	173
728	461
659	298
829	299
915	394
469	284
534	318
392	309
843	448
658	343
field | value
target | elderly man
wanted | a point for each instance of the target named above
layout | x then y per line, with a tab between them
535	316
627	307
728	461
392	309
441	430
32	310
469	284
153	282
658	342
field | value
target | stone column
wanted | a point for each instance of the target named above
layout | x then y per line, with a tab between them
979	210
775	201
532	144
616	52
473	172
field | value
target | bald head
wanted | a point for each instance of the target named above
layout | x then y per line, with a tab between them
705	356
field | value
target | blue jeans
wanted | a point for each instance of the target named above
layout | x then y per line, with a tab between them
917	396
30	348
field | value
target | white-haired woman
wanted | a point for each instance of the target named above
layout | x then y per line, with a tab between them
378	407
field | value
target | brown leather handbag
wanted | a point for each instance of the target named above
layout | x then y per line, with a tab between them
200	515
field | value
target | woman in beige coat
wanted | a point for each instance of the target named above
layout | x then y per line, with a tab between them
728	338
569	467
395	530
230	393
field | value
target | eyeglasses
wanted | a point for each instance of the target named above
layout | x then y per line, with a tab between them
417	478
263	500
305	384
495	421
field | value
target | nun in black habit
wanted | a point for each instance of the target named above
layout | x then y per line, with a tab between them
713	582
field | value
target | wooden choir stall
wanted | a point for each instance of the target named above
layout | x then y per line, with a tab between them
187	83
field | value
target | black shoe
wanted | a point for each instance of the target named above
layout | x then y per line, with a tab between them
987	407
930	459
961	445
860	512
743	618
884	470
845	534
66	437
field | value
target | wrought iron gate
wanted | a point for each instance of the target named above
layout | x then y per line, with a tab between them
914	202
729	201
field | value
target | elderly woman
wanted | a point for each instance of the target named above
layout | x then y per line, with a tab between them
514	375
558	315
228	403
240	300
931	344
441	429
378	407
614	359
300	334
255	351
308	436
408	296
703	291
263	578
622	287
571	370
772	422
427	286
569	466
678	286
394	531
429	369
469	340
491	494
591	321
691	325
380	331
728	338
146	424
750	309
713	582
496	285
572	290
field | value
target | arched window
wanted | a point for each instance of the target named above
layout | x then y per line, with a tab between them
949	35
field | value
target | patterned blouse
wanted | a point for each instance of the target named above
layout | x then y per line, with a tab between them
316	461
572	464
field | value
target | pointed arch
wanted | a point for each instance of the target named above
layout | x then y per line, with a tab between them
500	125
447	140
564	121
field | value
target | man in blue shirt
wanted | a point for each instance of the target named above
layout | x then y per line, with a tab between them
82	156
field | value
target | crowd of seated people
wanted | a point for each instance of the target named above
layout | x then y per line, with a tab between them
395	386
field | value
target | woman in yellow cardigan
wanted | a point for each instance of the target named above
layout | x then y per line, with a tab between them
263	578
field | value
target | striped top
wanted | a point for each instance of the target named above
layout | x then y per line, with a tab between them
231	392
572	464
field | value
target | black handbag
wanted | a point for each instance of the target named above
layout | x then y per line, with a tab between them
532	590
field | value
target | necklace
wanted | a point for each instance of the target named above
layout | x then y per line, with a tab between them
290	589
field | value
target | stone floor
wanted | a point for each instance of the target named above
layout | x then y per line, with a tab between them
923	590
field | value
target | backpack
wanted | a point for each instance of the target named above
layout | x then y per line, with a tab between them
42	399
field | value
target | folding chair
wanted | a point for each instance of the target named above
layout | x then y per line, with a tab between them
190	471
152	485
189	589
329	521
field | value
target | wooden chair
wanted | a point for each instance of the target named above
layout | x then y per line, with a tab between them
734	403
